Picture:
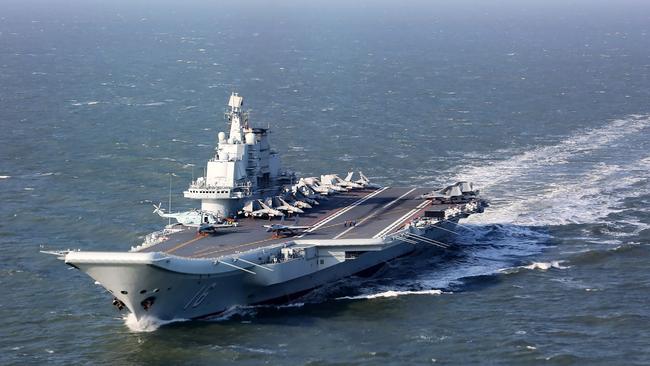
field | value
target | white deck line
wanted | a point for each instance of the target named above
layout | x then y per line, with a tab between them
394	224
375	213
400	220
341	212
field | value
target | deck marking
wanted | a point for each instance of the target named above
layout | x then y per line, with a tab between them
236	267
232	248
400	220
374	213
255	264
346	209
394	224
184	244
442	228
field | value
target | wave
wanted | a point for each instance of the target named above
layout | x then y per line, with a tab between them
163	158
391	293
250	349
482	251
146	323
92	102
543	266
599	255
250	310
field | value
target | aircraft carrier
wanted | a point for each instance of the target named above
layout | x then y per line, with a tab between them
264	235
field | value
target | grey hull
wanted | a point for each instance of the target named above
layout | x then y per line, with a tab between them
167	288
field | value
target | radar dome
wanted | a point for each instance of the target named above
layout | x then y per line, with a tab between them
250	138
222	136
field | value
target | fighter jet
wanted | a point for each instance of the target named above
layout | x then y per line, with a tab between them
281	228
304	193
331	181
257	208
303	201
315	185
289	195
363	181
280	204
456	192
343	183
300	204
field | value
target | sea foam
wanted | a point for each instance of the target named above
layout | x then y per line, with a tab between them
531	190
390	293
146	323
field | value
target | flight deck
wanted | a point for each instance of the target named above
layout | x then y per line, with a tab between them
355	214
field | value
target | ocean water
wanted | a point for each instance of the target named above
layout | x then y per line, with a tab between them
545	105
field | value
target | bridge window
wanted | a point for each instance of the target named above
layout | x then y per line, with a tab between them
353	254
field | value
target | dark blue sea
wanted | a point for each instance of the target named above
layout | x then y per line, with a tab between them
544	105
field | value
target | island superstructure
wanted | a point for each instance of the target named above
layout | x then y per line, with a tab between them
243	166
263	235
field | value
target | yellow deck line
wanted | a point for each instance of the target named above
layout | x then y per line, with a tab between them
232	248
184	244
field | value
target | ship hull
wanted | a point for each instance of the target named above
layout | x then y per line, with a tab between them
193	290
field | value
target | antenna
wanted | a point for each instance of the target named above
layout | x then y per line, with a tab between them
169	222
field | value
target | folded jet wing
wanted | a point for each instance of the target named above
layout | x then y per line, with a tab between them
365	182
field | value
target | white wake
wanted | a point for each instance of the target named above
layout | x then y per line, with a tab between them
530	189
580	143
390	293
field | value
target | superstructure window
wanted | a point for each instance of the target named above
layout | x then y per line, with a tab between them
353	254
